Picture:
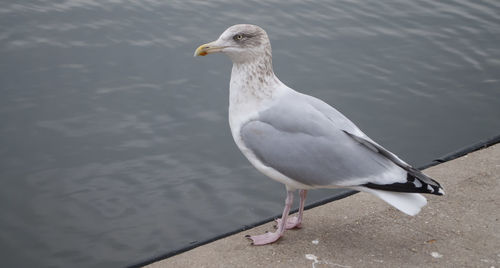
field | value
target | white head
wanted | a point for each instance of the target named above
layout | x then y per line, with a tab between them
242	43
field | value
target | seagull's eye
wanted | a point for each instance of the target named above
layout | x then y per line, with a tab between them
238	37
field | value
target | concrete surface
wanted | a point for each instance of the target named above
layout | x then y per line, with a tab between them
461	229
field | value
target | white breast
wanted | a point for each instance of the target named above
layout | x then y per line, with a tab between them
244	105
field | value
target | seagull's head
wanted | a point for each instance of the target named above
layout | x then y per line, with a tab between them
241	42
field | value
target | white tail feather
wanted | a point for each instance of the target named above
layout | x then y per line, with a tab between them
409	203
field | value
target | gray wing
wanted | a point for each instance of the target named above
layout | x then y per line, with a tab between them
416	181
301	141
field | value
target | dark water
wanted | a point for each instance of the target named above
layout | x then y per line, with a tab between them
115	145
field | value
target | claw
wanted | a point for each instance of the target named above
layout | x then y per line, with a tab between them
264	239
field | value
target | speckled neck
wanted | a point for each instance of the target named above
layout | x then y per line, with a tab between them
253	80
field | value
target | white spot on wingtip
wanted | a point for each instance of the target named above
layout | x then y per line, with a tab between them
417	183
441	191
436	255
430	188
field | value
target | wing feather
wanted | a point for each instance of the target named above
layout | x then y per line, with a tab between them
299	141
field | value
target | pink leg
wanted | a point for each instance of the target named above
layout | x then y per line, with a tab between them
295	222
268	238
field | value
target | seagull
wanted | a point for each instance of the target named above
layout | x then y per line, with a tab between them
303	142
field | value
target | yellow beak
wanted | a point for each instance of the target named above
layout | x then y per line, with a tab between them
207	48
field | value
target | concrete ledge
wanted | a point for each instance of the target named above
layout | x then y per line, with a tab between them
461	229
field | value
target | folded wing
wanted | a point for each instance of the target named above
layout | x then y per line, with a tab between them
316	145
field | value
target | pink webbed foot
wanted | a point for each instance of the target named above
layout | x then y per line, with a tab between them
291	222
264	239
269	238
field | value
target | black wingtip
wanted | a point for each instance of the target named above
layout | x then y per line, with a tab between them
413	184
